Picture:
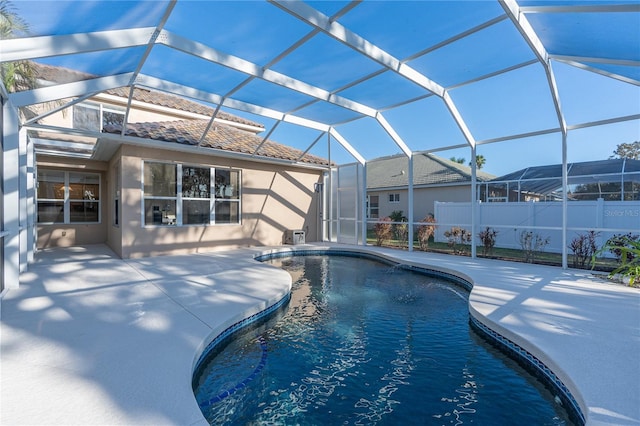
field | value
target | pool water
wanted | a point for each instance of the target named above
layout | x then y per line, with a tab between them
362	342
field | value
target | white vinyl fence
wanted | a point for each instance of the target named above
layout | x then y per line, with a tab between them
542	218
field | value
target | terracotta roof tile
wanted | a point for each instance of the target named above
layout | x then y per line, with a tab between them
220	136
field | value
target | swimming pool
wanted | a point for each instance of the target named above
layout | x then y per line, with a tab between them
363	342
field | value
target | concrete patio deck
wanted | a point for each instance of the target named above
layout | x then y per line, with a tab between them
89	338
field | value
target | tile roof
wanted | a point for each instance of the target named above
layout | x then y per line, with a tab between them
65	75
220	136
428	169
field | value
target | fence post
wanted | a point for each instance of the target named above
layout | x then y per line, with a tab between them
600	213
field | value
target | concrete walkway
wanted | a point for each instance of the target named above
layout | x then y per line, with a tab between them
89	338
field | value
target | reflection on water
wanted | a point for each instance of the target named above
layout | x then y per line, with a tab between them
362	343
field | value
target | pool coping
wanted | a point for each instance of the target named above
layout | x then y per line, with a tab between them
583	329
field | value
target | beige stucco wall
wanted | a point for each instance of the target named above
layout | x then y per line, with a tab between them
274	199
423	199
62	235
114	231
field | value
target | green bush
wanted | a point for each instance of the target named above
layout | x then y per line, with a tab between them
618	242
626	248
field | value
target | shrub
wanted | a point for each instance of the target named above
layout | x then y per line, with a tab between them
457	237
400	230
402	233
488	239
426	231
531	244
629	259
618	242
382	230
583	247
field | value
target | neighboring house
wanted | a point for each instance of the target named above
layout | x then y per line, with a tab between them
172	182
434	179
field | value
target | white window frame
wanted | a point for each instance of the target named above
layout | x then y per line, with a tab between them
394	198
102	108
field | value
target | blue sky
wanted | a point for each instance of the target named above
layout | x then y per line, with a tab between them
507	104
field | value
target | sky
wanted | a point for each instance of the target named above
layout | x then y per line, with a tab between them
507	104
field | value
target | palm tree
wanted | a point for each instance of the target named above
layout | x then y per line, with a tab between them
480	160
459	160
19	75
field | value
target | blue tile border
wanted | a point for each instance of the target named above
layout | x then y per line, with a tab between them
534	365
236	327
521	355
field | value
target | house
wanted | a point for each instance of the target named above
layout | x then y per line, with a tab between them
434	179
171	181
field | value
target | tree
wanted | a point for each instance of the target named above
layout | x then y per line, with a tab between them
480	160
19	75
627	150
459	160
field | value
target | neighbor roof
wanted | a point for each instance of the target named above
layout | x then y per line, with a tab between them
428	169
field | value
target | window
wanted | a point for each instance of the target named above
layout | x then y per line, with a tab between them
373	206
196	195
160	189
227	204
194	199
394	198
68	197
90	116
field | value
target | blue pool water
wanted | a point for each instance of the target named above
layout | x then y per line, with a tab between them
361	342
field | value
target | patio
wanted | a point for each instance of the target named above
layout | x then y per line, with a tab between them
89	338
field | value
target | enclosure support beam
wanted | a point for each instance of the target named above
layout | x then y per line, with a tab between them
11	197
30	196
565	185
474	202
363	206
410	203
23	203
514	12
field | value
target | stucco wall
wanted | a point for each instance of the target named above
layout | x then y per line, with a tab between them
274	199
114	231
